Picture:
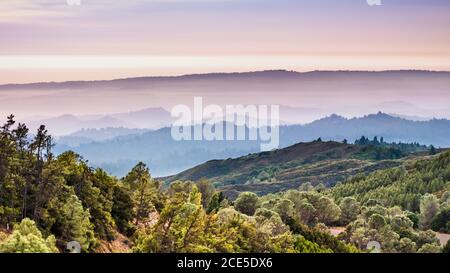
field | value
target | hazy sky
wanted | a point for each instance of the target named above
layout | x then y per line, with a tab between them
43	40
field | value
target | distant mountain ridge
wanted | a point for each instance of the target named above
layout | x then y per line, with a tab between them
304	96
67	125
393	129
85	136
166	156
207	76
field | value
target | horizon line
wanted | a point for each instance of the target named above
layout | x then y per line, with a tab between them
183	75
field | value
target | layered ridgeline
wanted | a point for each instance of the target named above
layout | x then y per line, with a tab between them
166	156
317	162
306	96
47	201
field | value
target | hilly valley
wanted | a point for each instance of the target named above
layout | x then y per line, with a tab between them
280	201
226	133
318	163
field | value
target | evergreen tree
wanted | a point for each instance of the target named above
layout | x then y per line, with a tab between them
429	208
207	190
350	209
247	203
446	248
27	238
74	223
144	191
123	209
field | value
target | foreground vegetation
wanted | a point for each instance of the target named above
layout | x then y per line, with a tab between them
48	201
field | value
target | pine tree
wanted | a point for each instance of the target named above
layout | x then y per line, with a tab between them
27	238
144	190
74	223
429	208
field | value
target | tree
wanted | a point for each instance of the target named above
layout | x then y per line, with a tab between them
429	208
306	187
430	248
446	248
413	217
285	208
246	237
375	141
144	191
180	228
216	202
372	203
123	209
8	209
304	246
406	245
21	138
350	208
94	188
324	239
41	147
306	212
320	187
326	210
74	223
180	187
27	238
401	223
426	237
270	222
377	221
433	150
207	190
441	222
247	203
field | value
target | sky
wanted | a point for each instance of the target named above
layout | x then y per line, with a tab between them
50	40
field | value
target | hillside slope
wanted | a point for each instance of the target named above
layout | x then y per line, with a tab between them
402	186
315	162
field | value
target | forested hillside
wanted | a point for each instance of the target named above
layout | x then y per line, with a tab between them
403	186
317	162
47	201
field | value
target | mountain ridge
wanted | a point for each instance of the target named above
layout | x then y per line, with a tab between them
159	150
262	73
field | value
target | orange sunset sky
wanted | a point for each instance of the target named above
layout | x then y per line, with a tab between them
49	40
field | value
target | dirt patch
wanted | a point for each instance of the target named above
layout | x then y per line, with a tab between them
443	238
119	245
335	231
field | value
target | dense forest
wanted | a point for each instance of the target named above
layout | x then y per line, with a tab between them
47	201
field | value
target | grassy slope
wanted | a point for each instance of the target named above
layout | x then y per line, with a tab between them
267	172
